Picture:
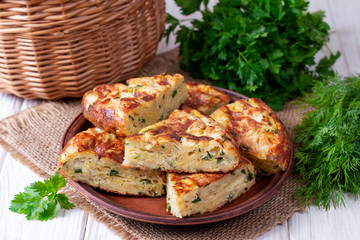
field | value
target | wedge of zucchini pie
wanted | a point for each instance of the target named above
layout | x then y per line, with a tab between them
198	193
95	156
188	141
125	109
259	133
204	98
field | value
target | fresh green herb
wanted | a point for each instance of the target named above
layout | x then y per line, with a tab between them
154	194
158	169
174	93
131	117
208	156
140	193
250	175
162	146
328	158
147	130
219	159
262	49
146	181
273	131
137	157
197	199
230	196
78	170
137	86
168	207
40	199
126	144
113	172
222	153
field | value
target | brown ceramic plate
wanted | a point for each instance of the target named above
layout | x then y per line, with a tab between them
152	210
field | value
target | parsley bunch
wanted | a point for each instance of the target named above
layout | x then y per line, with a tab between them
328	159
40	199
261	48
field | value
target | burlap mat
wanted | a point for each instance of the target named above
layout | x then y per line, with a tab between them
33	137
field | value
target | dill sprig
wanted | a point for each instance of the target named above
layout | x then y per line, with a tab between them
328	158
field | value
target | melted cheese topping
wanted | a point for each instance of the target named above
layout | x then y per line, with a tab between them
204	98
259	134
125	109
188	141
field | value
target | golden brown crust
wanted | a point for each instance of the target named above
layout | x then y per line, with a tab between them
180	125
204	98
103	111
103	144
175	129
124	109
185	182
257	130
188	141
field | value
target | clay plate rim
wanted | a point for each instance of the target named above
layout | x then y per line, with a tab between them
275	182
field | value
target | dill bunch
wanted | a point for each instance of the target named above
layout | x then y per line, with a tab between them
328	158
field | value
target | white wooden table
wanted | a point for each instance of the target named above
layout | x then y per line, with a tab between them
344	18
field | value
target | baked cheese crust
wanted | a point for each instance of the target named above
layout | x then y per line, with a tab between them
204	98
259	133
198	193
95	156
188	141
125	109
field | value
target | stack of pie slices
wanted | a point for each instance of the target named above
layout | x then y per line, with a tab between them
161	135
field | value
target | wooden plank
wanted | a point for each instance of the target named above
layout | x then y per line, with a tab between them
9	105
279	232
13	178
319	224
335	44
341	223
346	21
96	230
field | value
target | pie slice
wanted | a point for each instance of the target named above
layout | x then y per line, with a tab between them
95	156
188	141
259	133
125	109
204	98
198	193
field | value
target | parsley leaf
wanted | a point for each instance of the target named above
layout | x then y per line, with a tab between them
328	158
263	49
40	199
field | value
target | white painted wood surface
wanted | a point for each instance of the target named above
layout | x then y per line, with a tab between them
344	18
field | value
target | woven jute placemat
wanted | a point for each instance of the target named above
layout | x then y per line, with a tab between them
33	137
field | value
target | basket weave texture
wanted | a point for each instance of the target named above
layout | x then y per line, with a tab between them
51	49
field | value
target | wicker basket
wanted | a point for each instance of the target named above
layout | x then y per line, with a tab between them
51	49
